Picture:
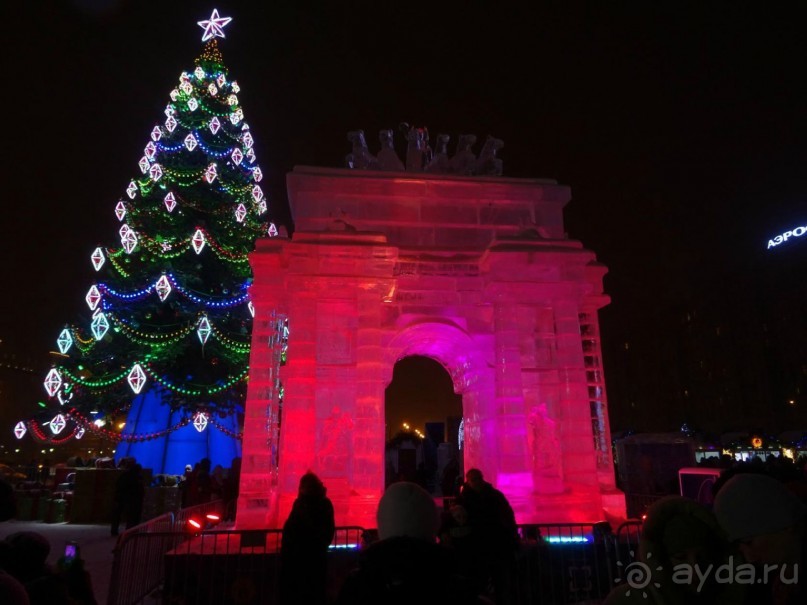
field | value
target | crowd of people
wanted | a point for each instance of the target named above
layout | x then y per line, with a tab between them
420	555
749	548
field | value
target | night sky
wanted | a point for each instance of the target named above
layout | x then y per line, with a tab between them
680	127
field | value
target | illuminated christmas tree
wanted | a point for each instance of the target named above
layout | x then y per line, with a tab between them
166	347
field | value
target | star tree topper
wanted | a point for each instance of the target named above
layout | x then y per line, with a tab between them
213	26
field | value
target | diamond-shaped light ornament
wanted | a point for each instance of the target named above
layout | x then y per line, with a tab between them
57	424
251	308
129	241
20	430
198	241
156	133
199	73
80	432
235	117
169	110
186	87
221	80
93	297
120	210
214	125
212	89
240	213
236	88
65	341
190	142
144	164
156	172
170	124
136	378
210	173
257	174
131	190
53	381
174	94
124	229
248	141
237	156
98	258
193	104
163	287
150	150
170	202
200	421
272	232
204	329
251	155
99	326
232	100
257	193
262	206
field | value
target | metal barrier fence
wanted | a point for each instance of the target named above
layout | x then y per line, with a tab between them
213	566
557	564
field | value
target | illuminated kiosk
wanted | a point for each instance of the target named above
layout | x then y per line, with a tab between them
476	273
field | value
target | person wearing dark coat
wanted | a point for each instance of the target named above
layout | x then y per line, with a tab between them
307	534
493	539
406	565
128	497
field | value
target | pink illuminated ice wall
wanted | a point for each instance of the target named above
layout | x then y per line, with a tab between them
474	272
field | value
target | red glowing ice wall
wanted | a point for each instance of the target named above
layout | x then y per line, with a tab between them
476	273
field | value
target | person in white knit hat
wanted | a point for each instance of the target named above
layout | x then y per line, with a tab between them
407	565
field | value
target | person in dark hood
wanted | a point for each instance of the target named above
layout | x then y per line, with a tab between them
407	565
680	537
307	534
768	523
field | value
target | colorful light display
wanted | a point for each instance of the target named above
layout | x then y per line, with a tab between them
190	223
